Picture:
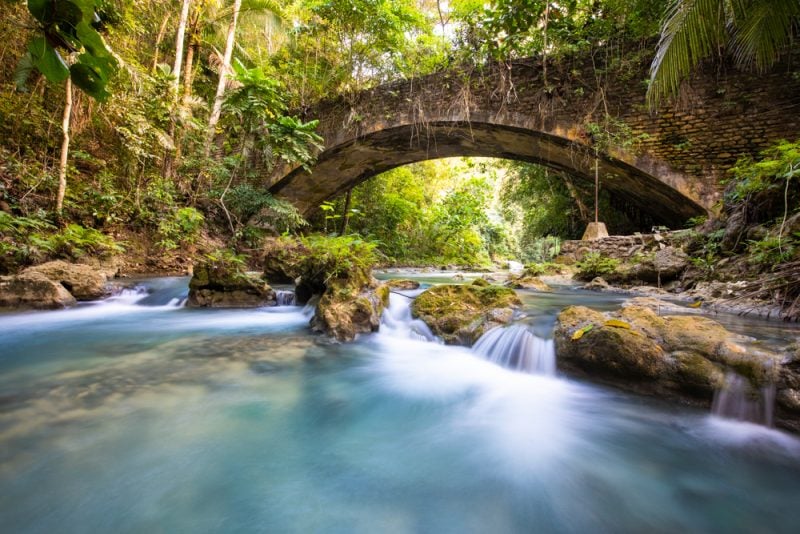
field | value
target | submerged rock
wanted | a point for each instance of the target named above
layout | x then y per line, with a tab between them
597	284
402	285
460	314
222	285
529	282
685	357
33	290
83	281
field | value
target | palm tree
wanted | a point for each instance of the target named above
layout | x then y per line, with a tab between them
754	31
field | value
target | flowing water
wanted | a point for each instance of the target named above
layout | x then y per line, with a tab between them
138	415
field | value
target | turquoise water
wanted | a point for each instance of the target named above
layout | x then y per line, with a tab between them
137	415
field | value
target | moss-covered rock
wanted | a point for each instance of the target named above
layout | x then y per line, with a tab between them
533	283
402	285
222	283
344	312
639	350
460	314
282	258
339	271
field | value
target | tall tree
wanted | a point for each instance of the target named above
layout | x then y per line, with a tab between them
180	37
216	110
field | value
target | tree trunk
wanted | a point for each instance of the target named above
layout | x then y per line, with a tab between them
346	214
213	119
62	166
169	157
160	37
179	38
188	71
573	192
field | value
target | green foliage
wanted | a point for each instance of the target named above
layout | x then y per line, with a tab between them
180	228
544	249
771	251
258	213
538	269
337	257
435	212
70	26
707	248
75	241
227	259
777	166
696	221
595	264
257	106
754	31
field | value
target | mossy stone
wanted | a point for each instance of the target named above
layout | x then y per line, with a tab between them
460	314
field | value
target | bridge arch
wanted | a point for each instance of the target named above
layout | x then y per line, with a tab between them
342	166
672	172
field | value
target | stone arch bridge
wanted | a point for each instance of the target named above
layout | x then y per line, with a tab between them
667	163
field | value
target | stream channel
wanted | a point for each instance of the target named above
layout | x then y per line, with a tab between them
135	414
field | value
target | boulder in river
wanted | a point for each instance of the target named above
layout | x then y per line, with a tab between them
83	281
684	357
33	290
402	284
460	314
339	271
533	283
343	312
223	284
283	259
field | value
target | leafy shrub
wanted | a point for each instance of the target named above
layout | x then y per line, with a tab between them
538	269
182	228
771	250
337	257
543	249
595	264
75	241
778	163
257	208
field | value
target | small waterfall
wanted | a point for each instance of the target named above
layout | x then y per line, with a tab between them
397	320
285	297
128	295
739	400
515	347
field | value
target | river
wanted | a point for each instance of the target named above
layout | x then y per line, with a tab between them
138	415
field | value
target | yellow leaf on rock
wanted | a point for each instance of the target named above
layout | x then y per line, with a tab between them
616	323
579	333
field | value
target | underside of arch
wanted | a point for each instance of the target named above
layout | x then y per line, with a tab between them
341	167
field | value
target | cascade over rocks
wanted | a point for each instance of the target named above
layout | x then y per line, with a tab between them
83	281
339	270
221	284
683	357
33	290
461	314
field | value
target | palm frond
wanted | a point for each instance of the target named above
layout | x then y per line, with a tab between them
763	31
692	31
